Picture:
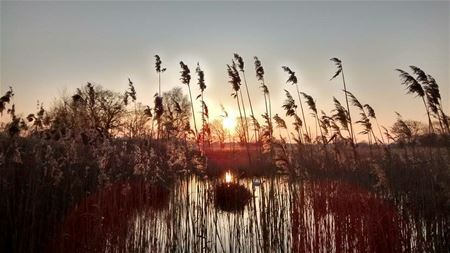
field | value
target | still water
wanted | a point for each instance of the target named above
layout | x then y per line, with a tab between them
281	216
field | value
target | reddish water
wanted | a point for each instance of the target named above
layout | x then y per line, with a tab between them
325	216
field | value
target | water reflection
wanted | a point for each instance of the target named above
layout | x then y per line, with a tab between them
326	216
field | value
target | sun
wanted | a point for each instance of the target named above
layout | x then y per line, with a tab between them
229	123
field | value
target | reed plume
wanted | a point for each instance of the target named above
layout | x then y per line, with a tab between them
131	90
364	121
266	138
413	87
298	127
186	79
38	118
312	106
341	115
433	89
289	104
279	121
148	111
240	65
433	96
292	79
404	131
260	77
340	71
158	101
159	70
205	115
297	122
326	123
5	99
282	124
291	110
235	81
371	114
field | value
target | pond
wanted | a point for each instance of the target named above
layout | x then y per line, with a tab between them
281	216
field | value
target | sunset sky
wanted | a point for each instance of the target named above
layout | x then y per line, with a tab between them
50	48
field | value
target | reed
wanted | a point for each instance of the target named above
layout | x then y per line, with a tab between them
340	71
206	131
83	176
235	82
240	64
260	77
433	96
293	80
158	105
414	87
186	79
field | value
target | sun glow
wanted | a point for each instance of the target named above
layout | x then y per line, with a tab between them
228	177
229	123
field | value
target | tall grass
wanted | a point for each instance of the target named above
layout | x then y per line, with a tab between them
414	87
186	79
240	64
365	120
159	69
260	76
158	109
84	175
293	80
312	106
235	82
205	114
340	71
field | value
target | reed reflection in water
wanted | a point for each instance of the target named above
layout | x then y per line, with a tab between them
308	216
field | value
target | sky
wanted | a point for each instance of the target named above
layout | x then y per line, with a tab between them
50	48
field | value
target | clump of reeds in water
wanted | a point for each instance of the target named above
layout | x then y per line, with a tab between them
230	196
